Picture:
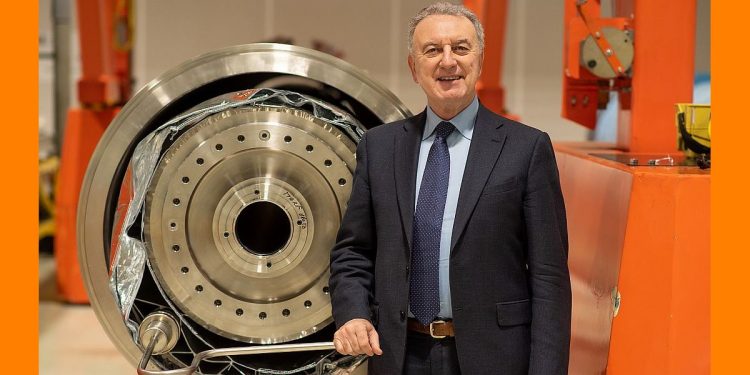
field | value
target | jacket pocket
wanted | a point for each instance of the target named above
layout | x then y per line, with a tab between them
502	187
514	313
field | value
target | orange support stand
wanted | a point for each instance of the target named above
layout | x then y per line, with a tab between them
493	14
102	88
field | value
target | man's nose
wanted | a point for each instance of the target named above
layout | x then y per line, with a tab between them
447	60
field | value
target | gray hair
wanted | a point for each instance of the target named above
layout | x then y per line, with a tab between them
448	9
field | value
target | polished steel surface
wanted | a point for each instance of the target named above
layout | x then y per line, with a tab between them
159	331
281	348
100	187
223	165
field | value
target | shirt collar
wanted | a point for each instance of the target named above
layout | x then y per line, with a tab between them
463	121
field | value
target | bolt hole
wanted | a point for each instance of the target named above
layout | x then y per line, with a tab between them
299	222
175	248
199	161
325	289
184	270
262	315
217	302
173	225
342	181
288	139
264	135
176	201
257	192
185	180
328	163
241	138
199	288
269	264
239	312
226	234
308	304
285	312
309	148
219	147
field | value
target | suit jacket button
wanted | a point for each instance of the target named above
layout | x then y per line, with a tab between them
403	315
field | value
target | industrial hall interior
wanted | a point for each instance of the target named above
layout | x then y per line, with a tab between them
197	160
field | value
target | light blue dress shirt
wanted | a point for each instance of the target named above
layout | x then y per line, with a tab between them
458	147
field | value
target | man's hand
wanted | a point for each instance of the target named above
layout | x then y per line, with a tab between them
357	336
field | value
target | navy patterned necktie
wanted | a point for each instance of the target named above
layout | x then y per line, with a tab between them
424	294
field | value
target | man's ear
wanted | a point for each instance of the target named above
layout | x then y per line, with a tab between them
412	68
481	62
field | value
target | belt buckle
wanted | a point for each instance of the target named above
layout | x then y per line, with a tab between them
432	330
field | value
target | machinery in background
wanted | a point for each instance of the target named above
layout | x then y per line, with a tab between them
105	32
694	132
210	205
638	210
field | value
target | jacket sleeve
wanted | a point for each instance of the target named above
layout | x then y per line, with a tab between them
547	246
353	255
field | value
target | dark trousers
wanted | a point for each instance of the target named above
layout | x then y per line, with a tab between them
428	356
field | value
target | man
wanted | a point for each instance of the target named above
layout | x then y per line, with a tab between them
452	255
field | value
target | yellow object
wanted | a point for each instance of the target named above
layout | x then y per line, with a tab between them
693	128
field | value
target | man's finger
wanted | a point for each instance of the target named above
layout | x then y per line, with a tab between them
347	346
351	336
363	341
338	346
375	342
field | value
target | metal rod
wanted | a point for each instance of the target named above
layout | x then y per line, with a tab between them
244	350
150	349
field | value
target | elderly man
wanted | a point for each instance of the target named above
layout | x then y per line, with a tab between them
452	255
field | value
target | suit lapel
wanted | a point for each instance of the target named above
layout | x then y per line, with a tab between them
405	169
486	144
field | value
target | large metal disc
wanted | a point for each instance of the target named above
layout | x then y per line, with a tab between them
292	187
240	218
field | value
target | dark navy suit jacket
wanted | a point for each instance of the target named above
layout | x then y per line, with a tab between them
509	281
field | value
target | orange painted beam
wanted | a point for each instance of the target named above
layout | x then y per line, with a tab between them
493	14
663	70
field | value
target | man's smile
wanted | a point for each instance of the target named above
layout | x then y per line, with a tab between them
449	78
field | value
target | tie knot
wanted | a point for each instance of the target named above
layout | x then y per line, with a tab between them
444	129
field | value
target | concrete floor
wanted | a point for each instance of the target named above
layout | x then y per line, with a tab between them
71	341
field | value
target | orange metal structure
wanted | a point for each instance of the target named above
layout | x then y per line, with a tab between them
493	15
663	69
639	235
104	30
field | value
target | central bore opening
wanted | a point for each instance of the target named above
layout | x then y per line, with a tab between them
263	228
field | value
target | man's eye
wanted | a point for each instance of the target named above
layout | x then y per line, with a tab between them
430	52
461	50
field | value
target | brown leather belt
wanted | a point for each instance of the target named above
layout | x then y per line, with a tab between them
438	329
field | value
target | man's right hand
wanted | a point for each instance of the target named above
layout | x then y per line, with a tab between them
357	336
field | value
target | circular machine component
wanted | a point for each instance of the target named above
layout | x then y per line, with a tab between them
595	61
257	217
241	210
163	328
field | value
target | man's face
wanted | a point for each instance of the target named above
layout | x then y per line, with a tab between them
446	61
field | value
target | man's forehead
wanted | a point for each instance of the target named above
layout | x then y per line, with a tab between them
437	28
